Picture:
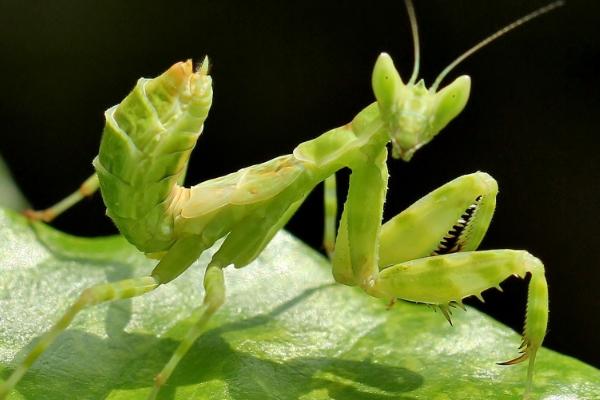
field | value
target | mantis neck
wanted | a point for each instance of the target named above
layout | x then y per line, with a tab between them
346	146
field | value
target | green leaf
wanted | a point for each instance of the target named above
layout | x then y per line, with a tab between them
286	332
10	195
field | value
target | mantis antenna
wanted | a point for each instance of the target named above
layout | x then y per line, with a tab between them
489	39
415	35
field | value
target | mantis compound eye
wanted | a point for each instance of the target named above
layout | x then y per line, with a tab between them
413	114
449	102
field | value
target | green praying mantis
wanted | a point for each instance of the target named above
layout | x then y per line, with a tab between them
425	254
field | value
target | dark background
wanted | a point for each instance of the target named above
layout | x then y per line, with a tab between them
285	72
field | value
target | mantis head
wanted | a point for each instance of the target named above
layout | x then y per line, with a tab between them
414	114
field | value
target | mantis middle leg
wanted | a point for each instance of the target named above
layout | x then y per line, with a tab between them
331	209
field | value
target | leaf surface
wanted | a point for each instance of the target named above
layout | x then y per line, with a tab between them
287	331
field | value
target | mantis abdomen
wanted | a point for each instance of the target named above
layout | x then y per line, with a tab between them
145	147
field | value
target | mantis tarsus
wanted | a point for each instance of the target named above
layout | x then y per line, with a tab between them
425	254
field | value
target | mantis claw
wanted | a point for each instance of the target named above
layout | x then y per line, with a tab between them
447	313
519	359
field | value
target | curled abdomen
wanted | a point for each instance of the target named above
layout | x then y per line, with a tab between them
145	147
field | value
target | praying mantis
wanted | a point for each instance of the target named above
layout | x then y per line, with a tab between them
425	254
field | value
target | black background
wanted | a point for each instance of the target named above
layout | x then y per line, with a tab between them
285	72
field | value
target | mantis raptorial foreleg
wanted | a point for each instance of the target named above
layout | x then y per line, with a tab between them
446	280
452	218
361	219
425	253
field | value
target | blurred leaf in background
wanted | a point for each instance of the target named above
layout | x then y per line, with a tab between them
10	195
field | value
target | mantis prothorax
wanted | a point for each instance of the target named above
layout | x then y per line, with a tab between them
425	254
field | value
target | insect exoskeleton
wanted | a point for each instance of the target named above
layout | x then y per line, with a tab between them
425	254
145	147
415	114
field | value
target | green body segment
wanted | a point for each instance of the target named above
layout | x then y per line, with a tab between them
451	277
144	151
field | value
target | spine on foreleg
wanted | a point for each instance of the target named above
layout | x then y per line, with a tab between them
536	318
145	146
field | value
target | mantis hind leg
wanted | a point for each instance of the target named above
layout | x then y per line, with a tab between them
89	297
249	237
245	241
87	188
214	297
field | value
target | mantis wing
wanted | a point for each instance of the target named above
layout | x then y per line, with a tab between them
246	186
